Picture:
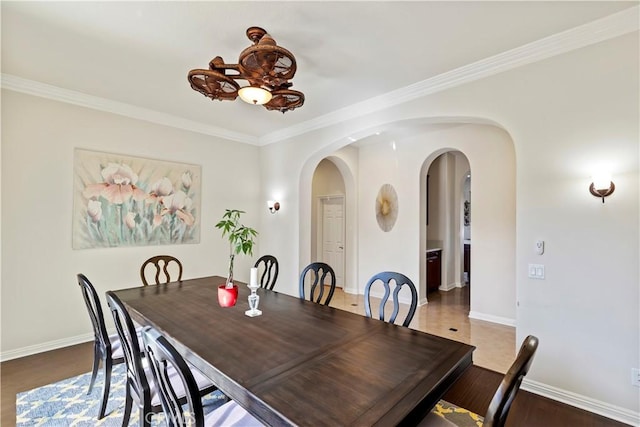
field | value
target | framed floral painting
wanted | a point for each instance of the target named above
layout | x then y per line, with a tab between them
132	201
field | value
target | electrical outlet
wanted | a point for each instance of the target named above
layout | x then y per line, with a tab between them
635	377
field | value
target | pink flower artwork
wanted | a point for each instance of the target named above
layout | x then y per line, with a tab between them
118	186
178	204
131	201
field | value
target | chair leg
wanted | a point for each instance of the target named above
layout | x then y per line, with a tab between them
96	364
108	365
145	415
128	402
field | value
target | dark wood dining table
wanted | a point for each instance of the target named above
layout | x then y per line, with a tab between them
302	363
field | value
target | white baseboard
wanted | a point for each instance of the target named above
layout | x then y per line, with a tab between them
493	319
583	402
47	346
350	290
448	287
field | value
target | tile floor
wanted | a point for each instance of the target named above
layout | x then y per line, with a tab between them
495	344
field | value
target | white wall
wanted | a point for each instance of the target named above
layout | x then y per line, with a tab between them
586	311
403	248
42	306
565	115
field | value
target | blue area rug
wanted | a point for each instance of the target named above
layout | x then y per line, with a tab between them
459	416
66	403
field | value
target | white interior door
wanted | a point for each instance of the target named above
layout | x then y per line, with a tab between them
332	238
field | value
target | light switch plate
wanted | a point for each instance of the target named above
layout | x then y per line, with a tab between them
536	271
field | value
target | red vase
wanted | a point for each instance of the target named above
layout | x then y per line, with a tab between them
227	297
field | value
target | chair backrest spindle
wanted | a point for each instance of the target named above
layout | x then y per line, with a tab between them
137	384
106	349
386	277
165	266
95	311
318	271
269	266
162	355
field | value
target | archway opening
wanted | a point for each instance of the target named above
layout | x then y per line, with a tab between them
328	198
446	227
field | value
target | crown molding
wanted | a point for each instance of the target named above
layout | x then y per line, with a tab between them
606	28
55	93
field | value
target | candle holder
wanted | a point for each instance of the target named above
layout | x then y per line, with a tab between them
254	300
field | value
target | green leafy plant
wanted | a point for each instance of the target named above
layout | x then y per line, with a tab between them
241	237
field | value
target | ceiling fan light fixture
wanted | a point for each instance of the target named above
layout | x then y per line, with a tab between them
254	95
267	69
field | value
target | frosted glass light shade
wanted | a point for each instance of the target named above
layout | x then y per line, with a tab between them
254	95
601	181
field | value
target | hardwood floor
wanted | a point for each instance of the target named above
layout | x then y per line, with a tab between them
37	370
446	310
476	388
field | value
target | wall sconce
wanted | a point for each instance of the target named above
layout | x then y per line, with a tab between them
273	206
602	186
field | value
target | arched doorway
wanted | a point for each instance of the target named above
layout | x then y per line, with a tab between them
343	162
328	218
445	226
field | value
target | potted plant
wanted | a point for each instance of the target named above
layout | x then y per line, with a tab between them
241	240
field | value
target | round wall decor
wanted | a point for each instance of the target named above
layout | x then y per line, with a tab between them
387	207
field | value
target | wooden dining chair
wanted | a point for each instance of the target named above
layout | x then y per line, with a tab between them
500	404
165	359
268	264
137	387
318	272
400	280
107	350
166	266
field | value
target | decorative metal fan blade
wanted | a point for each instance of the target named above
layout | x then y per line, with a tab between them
264	60
213	84
283	66
285	100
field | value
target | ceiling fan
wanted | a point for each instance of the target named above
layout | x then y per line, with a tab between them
267	69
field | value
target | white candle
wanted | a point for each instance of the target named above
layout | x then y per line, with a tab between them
254	277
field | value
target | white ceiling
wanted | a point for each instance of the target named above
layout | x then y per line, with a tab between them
139	53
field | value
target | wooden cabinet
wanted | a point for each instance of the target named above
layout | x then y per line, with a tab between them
434	270
467	261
